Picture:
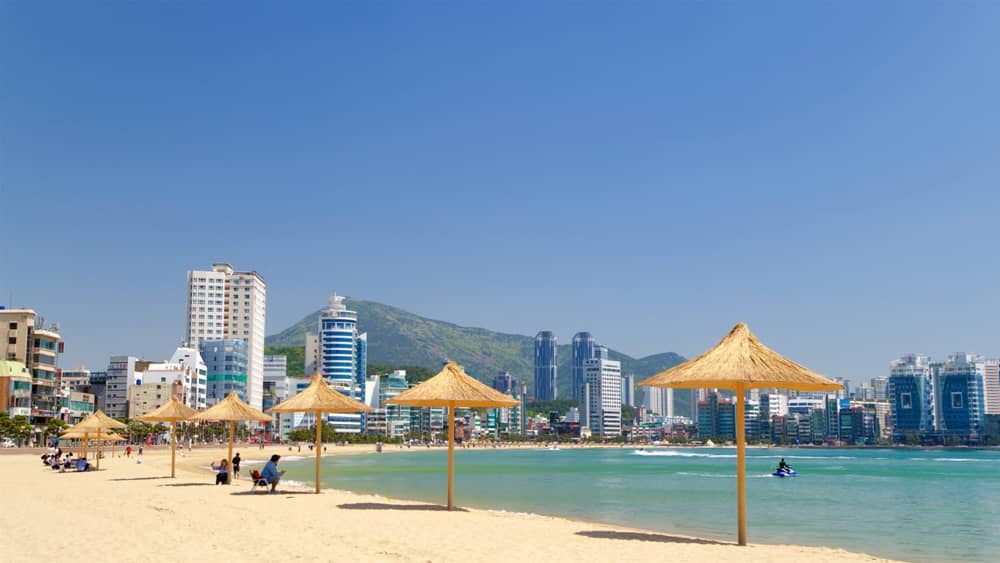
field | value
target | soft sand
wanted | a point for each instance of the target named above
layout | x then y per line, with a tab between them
132	512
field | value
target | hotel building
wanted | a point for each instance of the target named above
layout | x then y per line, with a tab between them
226	304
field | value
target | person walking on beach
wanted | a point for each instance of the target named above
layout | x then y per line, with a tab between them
271	473
128	452
140	450
236	466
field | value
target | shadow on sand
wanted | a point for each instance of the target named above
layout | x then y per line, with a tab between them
188	485
386	506
140	478
639	536
266	493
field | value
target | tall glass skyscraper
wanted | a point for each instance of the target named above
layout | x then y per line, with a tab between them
343	359
545	366
584	346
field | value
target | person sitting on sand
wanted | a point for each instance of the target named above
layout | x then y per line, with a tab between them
222	477
271	473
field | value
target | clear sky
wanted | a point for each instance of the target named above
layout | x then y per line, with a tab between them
652	172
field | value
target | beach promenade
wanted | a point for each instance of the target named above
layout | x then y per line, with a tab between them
130	512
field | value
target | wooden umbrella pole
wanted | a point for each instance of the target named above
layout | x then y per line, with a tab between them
98	455
451	455
232	430
741	466
319	444
173	447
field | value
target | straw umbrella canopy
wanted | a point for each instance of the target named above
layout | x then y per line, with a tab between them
452	388
319	398
173	411
231	410
741	362
95	424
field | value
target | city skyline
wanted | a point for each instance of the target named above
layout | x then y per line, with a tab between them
779	167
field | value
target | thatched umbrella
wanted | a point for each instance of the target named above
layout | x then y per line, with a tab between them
172	411
740	362
95	424
231	409
452	388
319	398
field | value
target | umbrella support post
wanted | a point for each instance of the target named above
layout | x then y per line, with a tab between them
319	444
232	430
741	463
173	447
451	456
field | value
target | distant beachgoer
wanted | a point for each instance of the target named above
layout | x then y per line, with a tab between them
140	449
300	447
271	474
236	466
222	475
128	451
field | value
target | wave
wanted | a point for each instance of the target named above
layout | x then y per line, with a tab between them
947	459
672	453
721	475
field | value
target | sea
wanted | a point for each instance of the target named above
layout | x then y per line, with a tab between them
909	504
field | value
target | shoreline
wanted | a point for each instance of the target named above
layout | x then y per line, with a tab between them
132	510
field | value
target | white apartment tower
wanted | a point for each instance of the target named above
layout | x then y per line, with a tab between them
223	303
603	397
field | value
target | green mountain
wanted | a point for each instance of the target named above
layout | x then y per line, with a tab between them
397	337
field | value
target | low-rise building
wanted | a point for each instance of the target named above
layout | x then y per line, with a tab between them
15	388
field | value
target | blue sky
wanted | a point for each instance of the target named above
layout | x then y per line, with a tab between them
650	172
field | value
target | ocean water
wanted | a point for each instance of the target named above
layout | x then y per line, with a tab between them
917	505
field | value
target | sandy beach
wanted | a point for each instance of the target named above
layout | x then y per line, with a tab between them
129	512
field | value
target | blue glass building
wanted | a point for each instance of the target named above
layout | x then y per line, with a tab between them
226	362
911	397
545	366
343	359
962	405
584	347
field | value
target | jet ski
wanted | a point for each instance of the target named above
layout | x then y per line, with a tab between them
788	472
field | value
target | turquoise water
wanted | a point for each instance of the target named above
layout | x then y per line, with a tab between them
918	505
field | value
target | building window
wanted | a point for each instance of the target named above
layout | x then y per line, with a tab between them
906	401
956	400
13	326
11	340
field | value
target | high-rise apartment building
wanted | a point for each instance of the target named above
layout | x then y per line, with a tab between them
504	382
991	386
961	396
628	390
716	418
911	396
603	394
545	366
584	348
226	304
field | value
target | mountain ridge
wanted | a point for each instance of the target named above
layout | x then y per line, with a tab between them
399	337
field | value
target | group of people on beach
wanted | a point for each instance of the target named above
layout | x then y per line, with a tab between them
271	475
54	459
